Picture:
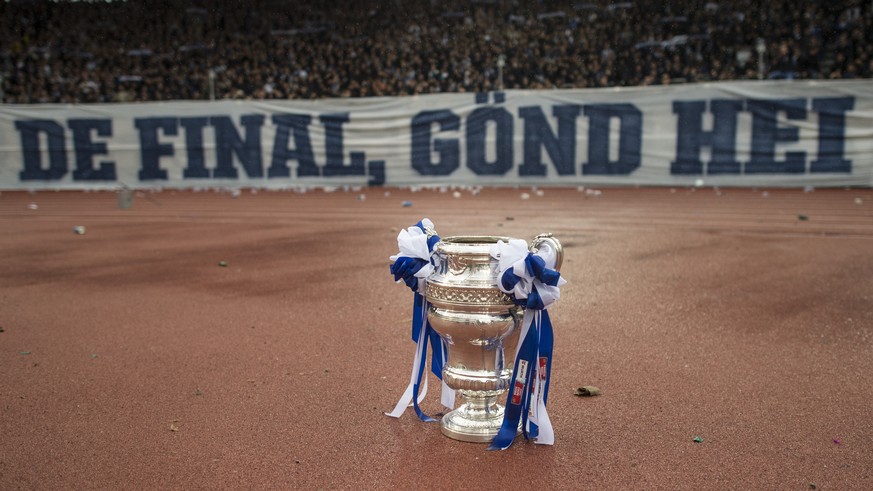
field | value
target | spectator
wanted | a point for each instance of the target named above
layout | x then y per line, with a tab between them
80	52
785	66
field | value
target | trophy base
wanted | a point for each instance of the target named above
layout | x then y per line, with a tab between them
471	424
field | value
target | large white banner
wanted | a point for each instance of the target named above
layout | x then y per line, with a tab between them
813	133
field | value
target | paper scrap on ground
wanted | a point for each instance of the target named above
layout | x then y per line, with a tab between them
587	391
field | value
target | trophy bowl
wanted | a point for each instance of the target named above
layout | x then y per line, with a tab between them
480	325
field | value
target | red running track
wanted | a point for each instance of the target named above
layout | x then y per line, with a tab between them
131	360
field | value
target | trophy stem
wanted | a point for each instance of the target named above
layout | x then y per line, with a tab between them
477	419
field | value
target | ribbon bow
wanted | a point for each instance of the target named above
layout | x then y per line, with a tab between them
533	283
412	265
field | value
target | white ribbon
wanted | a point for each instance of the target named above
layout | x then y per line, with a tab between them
512	255
406	399
412	242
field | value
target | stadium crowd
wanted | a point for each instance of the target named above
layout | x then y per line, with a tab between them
120	51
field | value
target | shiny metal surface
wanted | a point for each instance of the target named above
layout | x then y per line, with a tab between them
554	243
481	327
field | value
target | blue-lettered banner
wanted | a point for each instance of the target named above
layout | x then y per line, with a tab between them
817	133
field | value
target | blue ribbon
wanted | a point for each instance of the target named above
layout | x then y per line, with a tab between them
546	342
419	319
432	240
536	348
518	397
404	268
438	357
536	267
422	346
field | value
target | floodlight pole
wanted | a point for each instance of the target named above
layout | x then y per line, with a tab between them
760	47
211	84
501	62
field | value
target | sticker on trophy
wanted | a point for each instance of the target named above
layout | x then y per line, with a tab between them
518	390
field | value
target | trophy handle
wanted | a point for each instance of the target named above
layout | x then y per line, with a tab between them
430	232
551	242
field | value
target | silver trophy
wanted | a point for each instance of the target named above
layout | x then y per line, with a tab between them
481	326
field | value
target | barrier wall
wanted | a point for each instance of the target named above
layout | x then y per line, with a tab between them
816	133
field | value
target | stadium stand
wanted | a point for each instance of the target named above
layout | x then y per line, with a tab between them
86	52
